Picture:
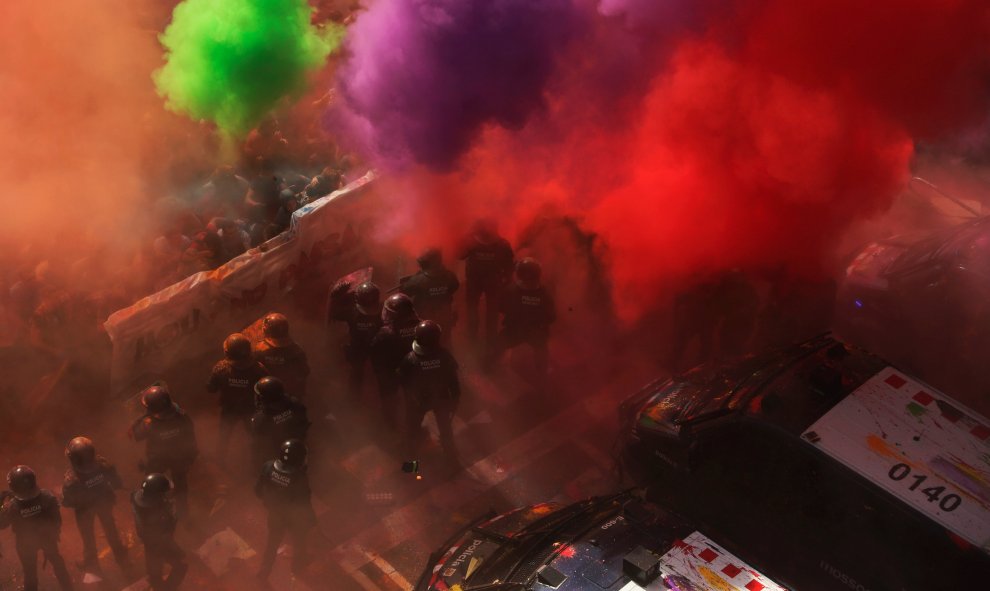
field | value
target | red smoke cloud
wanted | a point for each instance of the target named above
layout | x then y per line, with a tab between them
753	144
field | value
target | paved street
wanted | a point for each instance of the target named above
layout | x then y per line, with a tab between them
378	525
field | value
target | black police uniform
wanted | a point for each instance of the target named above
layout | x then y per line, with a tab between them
389	347
273	424
527	314
235	381
155	525
488	267
287	497
91	495
361	329
432	293
170	447
287	362
37	525
430	383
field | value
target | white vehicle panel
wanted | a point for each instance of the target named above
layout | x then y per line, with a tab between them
920	445
698	564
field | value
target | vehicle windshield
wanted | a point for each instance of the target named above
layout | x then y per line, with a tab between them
940	246
724	391
727	388
525	552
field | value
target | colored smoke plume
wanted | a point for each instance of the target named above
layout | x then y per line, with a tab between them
744	134
233	61
82	133
425	76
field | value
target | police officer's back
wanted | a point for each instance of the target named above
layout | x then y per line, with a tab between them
527	307
487	256
364	317
432	289
88	488
392	343
234	378
360	309
488	267
394	339
155	521
528	311
33	513
429	379
281	355
279	417
283	487
170	440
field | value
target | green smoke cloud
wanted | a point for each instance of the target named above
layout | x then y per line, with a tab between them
232	61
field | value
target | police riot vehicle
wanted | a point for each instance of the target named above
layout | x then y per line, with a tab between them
920	301
857	476
615	543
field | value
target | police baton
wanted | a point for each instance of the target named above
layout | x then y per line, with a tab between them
402	281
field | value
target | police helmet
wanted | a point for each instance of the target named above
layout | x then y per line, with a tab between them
292	453
276	325
397	307
156	399
528	272
81	454
23	483
154	488
428	335
430	258
367	296
270	390
237	347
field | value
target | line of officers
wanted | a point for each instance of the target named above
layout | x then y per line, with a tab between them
403	342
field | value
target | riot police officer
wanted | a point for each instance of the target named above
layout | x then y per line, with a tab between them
279	418
429	379
432	289
361	310
527	310
154	520
33	514
234	378
88	489
392	343
170	440
282	356
283	487
488	268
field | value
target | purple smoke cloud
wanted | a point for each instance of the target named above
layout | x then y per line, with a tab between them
425	76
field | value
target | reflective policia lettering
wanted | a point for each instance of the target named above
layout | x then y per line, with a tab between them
841	576
465	554
430	364
95	481
31	511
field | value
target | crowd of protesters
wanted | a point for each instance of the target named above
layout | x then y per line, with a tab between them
239	207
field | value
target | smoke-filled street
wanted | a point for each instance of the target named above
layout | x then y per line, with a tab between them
495	295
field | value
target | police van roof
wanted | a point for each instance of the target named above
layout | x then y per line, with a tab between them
919	445
790	387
